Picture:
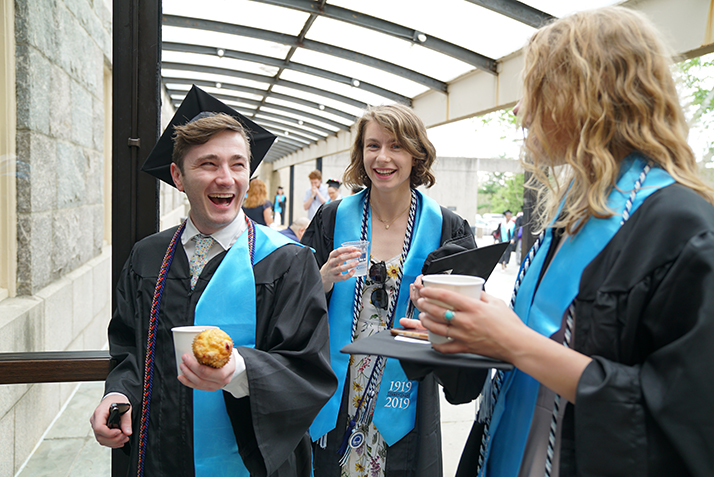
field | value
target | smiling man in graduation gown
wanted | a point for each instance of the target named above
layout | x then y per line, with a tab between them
251	416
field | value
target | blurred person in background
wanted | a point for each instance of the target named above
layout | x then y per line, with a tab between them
280	205
506	229
256	205
333	190
296	229
315	195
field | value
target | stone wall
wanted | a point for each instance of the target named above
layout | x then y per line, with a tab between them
61	50
63	265
70	314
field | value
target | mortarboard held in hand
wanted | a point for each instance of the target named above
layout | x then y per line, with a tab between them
197	101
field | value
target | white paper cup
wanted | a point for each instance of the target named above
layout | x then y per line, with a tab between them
363	265
183	341
462	284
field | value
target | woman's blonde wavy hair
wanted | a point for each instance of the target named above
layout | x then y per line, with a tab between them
410	133
257	194
598	85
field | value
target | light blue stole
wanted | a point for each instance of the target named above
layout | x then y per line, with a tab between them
229	303
395	409
542	309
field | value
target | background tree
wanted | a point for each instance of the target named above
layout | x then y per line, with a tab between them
696	90
501	191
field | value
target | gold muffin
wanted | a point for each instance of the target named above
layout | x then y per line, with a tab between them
213	347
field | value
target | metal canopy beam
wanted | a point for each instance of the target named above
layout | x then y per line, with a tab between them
516	10
284	97
279	130
292	143
294	122
291	123
281	143
388	28
291	52
269	120
240	30
305	124
276	127
264	79
281	147
311	70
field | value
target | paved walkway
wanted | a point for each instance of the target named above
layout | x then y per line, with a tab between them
68	449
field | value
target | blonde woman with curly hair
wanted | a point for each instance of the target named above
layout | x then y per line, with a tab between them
380	423
612	322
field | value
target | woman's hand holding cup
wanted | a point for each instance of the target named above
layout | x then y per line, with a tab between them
479	326
339	266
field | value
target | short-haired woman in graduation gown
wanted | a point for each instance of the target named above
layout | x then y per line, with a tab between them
396	427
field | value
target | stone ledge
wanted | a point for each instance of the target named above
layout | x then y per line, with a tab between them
53	299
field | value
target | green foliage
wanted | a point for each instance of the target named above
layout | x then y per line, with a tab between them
697	93
696	89
504	118
501	191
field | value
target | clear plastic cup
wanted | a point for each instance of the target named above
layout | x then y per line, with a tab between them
363	265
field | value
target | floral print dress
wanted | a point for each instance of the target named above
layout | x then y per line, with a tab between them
369	459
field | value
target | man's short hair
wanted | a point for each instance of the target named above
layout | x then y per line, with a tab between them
200	131
315	175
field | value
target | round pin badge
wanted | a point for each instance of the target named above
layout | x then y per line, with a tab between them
356	439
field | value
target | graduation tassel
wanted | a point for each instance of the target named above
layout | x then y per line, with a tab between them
345	457
344	447
369	407
322	441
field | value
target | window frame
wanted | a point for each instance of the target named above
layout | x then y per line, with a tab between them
8	166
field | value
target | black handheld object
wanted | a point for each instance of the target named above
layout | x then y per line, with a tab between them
477	262
115	412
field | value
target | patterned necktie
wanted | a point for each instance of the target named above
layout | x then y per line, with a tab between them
199	257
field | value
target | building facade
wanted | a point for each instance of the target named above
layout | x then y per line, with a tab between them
55	164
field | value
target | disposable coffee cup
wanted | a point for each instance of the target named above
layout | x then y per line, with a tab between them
363	265
183	341
466	285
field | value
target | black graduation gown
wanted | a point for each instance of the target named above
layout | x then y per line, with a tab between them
419	452
288	372
645	314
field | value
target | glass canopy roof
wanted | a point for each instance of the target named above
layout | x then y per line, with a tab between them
306	69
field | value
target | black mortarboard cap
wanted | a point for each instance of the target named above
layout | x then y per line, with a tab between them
197	101
333	183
